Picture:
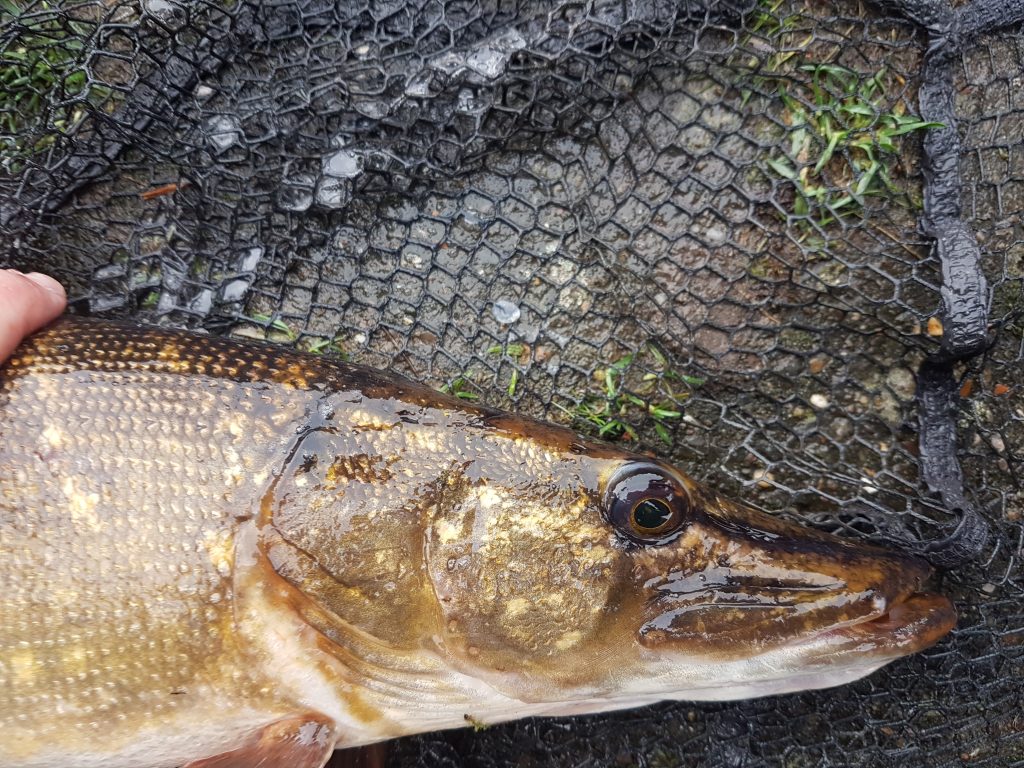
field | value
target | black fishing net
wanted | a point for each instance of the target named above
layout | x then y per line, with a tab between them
778	242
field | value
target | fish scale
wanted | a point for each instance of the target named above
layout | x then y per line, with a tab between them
120	619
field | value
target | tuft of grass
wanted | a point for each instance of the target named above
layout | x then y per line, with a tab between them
515	353
843	143
328	347
45	89
274	324
656	396
459	387
780	35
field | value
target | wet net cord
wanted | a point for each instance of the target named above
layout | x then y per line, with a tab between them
965	292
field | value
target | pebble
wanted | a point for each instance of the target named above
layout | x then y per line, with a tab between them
819	401
343	164
505	312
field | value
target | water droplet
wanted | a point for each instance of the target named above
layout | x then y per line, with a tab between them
248	260
223	132
505	312
162	8
419	85
343	164
202	301
234	291
296	193
487	62
109	271
372	109
333	193
470	103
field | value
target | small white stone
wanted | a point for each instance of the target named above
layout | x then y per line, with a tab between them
819	401
505	312
343	164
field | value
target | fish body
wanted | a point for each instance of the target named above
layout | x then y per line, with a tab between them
214	553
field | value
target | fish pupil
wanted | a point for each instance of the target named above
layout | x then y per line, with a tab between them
651	515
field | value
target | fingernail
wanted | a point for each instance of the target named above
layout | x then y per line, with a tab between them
48	284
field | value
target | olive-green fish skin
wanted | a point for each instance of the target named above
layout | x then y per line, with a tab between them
206	543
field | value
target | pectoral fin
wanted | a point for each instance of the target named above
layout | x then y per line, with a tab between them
304	741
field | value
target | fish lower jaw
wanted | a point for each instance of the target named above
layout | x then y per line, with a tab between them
836	656
826	659
804	681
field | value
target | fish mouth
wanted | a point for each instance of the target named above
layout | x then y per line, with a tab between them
908	625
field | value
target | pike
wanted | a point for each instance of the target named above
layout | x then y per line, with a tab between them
217	555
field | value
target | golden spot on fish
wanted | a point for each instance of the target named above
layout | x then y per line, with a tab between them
290	374
220	549
487	498
22	662
234	474
82	506
362	419
53	436
424	439
235	425
360	467
516	607
568	640
448	532
169	351
75	661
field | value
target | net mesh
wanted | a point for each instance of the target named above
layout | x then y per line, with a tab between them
778	242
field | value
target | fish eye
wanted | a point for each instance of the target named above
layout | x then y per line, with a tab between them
651	516
646	504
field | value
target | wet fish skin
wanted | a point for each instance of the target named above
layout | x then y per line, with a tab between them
218	549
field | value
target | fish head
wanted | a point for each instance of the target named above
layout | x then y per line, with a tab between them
594	578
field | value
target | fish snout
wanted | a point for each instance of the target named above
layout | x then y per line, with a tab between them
747	582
